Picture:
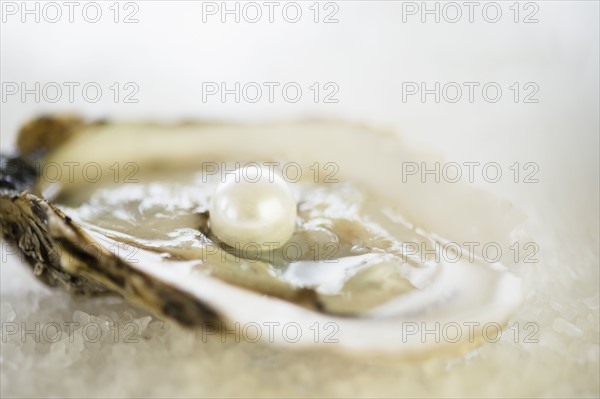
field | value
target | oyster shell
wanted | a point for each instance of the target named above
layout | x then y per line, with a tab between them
141	228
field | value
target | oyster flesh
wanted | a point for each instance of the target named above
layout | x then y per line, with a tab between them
124	207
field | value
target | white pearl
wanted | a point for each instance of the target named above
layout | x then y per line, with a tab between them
255	206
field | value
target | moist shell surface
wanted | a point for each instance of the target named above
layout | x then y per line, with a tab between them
163	273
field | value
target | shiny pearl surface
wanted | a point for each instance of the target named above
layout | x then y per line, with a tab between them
253	206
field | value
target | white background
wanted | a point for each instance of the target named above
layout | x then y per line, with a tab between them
369	53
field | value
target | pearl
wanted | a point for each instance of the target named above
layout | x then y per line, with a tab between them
253	205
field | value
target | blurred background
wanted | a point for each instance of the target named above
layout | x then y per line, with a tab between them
528	79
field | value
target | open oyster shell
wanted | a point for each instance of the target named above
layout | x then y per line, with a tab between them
142	230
